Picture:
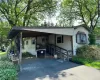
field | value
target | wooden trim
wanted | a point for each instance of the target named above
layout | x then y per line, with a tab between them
20	55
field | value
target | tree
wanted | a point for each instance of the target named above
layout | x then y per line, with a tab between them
4	29
97	31
67	14
24	12
85	10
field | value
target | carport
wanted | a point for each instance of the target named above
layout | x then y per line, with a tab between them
64	40
18	33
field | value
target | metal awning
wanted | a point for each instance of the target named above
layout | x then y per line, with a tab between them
41	31
33	32
25	33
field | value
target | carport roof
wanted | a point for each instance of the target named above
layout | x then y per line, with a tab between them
40	31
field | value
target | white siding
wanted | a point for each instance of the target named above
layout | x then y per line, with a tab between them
67	44
76	45
29	47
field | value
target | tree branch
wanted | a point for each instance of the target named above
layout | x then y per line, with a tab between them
81	13
10	21
27	10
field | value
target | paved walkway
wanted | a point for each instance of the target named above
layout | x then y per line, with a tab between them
51	69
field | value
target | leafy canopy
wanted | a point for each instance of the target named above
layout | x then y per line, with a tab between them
25	12
84	10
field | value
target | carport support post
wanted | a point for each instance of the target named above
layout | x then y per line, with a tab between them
55	45
74	43
20	55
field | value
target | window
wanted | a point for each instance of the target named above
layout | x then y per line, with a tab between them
26	42
81	38
60	39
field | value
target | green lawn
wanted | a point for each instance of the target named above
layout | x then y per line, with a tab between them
91	63
2	53
95	64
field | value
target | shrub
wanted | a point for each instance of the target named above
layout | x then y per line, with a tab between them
8	74
4	58
8	71
7	64
27	54
89	52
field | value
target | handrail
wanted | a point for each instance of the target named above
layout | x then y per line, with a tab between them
58	50
58	47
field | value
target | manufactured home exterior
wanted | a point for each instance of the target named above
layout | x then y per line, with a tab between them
69	40
50	40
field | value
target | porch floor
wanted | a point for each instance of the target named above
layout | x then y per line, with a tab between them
52	69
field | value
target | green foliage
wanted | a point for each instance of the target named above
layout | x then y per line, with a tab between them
87	62
81	60
84	10
3	57
8	74
67	17
25	12
97	31
6	65
92	39
8	71
95	64
91	52
4	29
2	53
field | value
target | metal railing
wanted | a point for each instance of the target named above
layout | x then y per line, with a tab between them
60	52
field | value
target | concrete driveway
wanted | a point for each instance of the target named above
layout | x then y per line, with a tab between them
51	69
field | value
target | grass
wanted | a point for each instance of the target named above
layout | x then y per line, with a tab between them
2	53
95	64
87	62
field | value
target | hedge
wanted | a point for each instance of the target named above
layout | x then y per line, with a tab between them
89	52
